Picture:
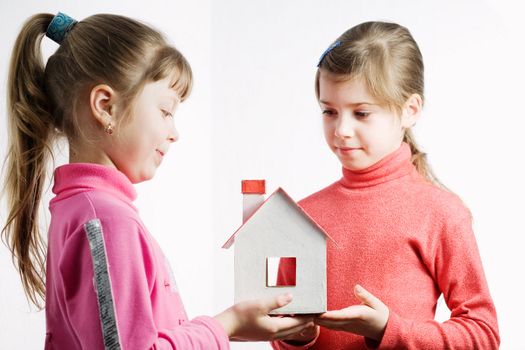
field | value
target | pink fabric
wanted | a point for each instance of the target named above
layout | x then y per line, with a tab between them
148	307
406	241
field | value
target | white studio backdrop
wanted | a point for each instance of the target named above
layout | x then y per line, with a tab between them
253	114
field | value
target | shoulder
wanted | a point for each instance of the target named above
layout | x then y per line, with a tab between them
116	231
320	197
122	239
104	203
444	205
92	204
98	211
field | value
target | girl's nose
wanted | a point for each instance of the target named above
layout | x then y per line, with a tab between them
345	127
173	136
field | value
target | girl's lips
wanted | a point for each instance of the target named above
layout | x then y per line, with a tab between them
347	151
347	148
161	153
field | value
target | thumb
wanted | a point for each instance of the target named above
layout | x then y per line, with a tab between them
278	301
367	298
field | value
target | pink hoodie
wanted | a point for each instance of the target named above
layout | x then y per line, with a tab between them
108	283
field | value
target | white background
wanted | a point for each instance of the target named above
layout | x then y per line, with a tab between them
253	114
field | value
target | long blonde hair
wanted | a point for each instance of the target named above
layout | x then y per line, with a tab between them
387	57
42	104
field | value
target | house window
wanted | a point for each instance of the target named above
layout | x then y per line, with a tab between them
280	271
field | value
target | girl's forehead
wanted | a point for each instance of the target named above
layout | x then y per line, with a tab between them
163	89
171	93
351	90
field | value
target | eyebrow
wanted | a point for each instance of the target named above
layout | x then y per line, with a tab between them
170	103
172	96
351	104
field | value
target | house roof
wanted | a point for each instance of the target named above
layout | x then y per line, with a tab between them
231	240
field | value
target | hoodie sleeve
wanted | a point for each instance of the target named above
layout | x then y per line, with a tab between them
108	270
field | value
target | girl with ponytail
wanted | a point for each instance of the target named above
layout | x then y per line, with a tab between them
111	89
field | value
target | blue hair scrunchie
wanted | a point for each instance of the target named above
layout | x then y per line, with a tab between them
327	51
59	27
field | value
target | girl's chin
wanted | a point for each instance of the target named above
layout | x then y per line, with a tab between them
353	165
143	176
354	168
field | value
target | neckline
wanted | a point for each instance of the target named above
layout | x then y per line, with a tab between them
73	178
393	166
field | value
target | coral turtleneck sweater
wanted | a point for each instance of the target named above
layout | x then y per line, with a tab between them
406	241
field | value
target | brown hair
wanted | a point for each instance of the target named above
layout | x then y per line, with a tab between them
43	101
387	57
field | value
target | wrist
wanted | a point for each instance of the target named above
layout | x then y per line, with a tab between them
228	322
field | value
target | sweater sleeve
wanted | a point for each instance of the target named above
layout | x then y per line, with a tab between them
286	276
108	270
456	267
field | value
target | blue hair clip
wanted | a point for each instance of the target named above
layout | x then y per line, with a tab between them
327	51
59	27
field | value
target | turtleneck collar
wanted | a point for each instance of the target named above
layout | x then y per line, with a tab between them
395	165
74	178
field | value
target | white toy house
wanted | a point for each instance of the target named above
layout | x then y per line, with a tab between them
273	230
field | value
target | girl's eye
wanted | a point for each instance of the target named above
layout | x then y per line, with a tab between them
167	114
361	115
328	113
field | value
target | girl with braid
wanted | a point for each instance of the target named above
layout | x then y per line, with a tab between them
403	238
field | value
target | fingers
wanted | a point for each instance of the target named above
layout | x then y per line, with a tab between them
303	328
307	334
286	323
367	298
332	324
348	313
239	339
276	302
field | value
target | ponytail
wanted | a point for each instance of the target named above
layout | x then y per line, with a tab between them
43	102
30	137
419	160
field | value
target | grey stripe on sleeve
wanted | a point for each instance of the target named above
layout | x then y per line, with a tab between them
102	282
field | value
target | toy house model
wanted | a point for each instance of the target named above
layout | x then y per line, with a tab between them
277	231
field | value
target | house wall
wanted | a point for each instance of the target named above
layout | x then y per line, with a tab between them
279	229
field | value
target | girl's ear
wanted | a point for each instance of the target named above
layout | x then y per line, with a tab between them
411	111
101	100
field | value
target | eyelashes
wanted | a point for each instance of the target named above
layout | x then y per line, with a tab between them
357	114
361	115
167	114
